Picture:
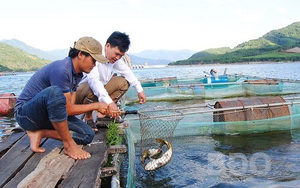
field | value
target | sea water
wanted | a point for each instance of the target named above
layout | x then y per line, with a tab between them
11	83
256	160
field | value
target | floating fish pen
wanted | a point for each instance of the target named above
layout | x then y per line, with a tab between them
7	103
232	116
226	86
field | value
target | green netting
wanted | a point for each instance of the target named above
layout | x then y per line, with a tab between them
158	124
131	158
187	89
206	119
203	124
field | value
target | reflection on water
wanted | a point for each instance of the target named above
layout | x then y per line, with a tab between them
11	84
252	143
14	83
258	160
8	123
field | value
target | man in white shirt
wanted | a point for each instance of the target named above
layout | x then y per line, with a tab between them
100	85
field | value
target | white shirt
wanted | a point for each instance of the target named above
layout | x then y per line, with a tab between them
102	73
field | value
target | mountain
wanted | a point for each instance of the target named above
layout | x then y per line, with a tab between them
15	59
272	46
58	53
142	61
31	50
210	52
150	57
170	55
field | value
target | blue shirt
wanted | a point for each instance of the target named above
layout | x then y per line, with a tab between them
59	73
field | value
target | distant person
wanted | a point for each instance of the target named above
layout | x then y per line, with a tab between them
46	107
103	85
213	72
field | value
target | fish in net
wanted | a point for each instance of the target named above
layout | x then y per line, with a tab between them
157	128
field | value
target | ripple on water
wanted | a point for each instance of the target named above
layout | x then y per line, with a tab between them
7	124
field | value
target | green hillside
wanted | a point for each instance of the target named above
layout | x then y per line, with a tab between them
14	59
211	52
270	47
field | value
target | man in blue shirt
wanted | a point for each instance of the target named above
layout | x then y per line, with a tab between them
46	107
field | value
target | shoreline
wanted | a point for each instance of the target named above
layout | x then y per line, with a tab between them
216	64
239	63
166	66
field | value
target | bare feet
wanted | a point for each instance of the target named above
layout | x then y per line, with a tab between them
75	152
35	138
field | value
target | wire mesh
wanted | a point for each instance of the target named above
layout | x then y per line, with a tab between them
157	126
188	89
199	119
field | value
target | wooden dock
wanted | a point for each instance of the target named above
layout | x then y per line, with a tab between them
20	167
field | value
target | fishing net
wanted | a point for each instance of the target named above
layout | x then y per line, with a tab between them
157	124
198	89
238	116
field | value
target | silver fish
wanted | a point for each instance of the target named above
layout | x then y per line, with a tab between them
151	154
157	159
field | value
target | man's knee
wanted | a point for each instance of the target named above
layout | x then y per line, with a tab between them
55	104
123	84
84	94
55	96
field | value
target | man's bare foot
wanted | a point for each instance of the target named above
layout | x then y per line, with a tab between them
35	138
75	152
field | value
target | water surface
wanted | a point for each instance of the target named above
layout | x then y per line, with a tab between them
256	160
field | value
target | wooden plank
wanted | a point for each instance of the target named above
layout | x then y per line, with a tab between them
32	163
108	171
49	170
9	141
86	173
117	149
14	160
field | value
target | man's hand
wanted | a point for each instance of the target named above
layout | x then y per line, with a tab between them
113	110
102	108
142	97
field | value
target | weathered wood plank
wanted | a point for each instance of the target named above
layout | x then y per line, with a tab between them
14	160
86	173
49	171
9	141
117	149
108	171
32	163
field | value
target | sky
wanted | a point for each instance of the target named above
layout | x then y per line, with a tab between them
151	24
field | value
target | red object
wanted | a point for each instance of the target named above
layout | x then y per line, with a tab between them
7	103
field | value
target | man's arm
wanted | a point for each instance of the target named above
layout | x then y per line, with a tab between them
125	71
76	109
142	97
96	85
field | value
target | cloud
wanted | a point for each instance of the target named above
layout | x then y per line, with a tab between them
281	10
132	2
